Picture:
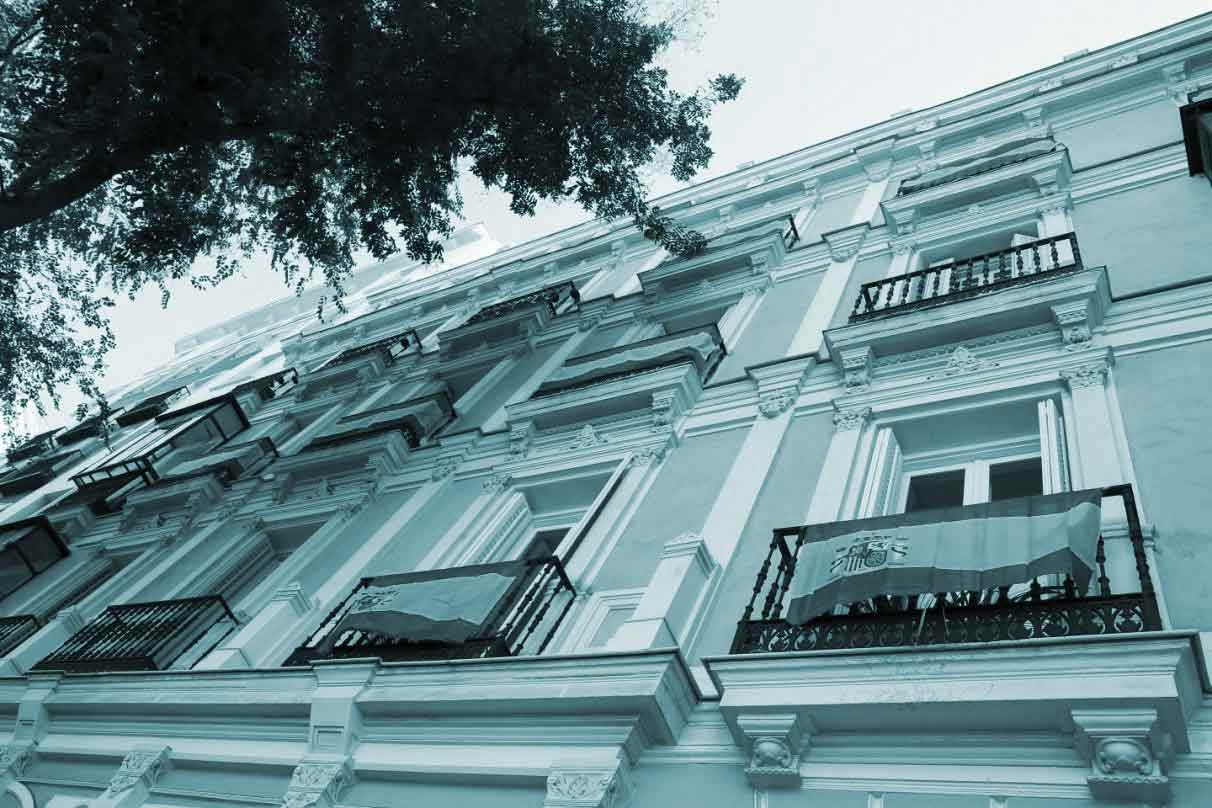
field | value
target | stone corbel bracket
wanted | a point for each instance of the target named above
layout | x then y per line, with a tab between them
779	384
857	365
876	159
1128	752
773	743
1077	320
317	784
845	243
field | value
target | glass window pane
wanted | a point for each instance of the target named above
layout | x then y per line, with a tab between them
13	572
942	489
1018	478
40	550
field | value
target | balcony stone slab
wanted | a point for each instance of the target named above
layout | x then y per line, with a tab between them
1034	685
756	249
1076	301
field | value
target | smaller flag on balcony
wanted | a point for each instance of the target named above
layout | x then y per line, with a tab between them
968	548
452	608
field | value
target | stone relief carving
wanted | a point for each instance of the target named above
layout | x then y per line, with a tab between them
520	438
1091	375
663	412
587	788
139	766
14	759
649	455
316	784
588	437
845	420
961	361
496	483
776	402
444	468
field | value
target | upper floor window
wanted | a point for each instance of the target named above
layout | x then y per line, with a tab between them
1197	136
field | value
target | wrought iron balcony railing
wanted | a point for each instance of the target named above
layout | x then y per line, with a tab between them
390	348
518	618
16	630
969	277
558	299
1032	610
153	636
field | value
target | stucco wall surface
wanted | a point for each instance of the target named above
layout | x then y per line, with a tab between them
783	501
678	501
1151	236
769	333
1112	136
1165	404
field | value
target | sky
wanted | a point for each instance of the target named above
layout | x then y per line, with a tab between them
812	69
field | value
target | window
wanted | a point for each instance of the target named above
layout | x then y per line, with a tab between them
943	489
29	548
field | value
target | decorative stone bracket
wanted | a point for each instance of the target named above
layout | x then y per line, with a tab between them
1076	322
140	770
857	365
1128	753
14	759
317	784
773	743
579	785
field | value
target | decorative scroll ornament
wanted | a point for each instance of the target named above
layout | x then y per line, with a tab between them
520	438
663	411
317	785
139	766
846	420
444	468
496	483
775	403
1128	751
1074	323
774	743
857	366
1092	375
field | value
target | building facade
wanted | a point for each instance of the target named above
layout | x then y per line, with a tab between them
577	470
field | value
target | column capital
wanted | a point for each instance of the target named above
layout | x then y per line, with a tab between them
1091	374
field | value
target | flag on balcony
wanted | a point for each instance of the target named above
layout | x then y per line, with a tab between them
968	548
451	606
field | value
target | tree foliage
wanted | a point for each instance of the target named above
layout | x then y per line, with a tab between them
137	136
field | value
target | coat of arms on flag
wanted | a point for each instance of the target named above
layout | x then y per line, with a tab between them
867	553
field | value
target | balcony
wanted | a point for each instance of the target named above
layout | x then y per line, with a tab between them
154	636
737	255
1034	609
671	368
152	406
507	609
28	476
32	447
970	277
502	323
416	419
1008	154
16	630
389	349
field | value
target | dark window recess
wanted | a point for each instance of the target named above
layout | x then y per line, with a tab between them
1197	136
1018	478
544	544
151	406
944	489
27	549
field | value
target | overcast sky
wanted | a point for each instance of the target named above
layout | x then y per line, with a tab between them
813	70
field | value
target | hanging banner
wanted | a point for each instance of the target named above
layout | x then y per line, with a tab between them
960	549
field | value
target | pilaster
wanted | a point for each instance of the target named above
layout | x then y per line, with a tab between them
45	640
249	644
669	604
839	465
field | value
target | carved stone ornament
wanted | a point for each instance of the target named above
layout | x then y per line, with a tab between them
1091	375
587	787
520	437
648	455
444	468
497	483
776	402
139	766
587	438
14	759
663	411
846	420
960	361
1128	752
774	743
1073	319
317	785
856	368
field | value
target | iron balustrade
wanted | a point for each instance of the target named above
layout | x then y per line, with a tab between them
1031	610
969	277
390	348
792	236
144	636
522	622
558	299
977	166
16	630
